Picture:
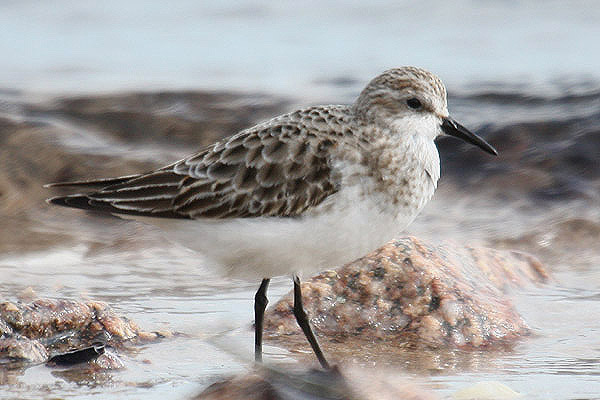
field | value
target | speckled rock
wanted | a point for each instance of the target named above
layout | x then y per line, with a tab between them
412	293
36	331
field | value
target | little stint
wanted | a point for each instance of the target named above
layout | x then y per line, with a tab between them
304	191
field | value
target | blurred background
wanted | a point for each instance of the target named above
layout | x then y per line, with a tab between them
289	47
90	89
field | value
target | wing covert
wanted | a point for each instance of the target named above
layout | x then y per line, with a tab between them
279	168
275	171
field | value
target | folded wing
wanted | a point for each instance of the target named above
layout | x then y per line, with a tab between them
275	169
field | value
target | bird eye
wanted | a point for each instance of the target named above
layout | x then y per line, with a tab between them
414	103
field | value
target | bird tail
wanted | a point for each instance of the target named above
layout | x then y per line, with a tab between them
148	195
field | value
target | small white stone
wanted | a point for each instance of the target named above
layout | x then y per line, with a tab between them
491	390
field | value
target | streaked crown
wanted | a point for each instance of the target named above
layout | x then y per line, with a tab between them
387	94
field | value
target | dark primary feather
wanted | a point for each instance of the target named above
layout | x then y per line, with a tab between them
92	183
274	169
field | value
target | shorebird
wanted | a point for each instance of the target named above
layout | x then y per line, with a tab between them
307	190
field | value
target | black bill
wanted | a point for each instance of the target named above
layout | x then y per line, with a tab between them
453	128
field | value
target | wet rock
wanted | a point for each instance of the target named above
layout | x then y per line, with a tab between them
568	242
187	118
32	153
64	332
22	349
247	387
410	293
49	318
106	361
351	383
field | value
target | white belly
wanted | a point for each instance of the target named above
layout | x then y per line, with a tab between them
352	226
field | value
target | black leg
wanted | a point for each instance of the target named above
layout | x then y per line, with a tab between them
260	303
302	319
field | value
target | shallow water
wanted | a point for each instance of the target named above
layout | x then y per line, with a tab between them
508	64
166	289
